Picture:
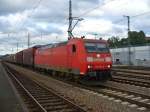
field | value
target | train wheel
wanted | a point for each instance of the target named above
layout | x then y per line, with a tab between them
76	78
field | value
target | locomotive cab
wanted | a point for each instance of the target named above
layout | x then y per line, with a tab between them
98	60
90	58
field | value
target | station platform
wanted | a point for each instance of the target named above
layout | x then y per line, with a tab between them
10	100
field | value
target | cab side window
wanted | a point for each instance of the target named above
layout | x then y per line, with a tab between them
73	48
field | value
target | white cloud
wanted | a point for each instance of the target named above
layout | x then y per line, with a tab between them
95	25
120	7
50	18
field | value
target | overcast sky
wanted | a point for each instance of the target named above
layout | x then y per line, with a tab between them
47	20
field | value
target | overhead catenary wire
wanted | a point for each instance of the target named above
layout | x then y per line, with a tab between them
141	14
132	17
39	2
22	25
33	10
85	13
91	10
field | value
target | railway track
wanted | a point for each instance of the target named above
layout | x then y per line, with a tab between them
133	77
41	99
119	93
132	81
132	98
132	67
138	72
114	91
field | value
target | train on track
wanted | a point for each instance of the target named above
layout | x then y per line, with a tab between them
87	59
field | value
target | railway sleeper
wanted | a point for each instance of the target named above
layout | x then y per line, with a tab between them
34	110
55	100
54	105
65	110
45	98
61	107
50	101
40	94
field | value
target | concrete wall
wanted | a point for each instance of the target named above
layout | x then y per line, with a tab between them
140	56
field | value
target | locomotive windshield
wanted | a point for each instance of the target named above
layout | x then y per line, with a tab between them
96	47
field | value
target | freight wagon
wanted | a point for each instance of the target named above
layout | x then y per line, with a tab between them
28	56
80	58
19	58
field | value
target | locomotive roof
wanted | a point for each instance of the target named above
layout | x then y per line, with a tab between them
65	42
37	46
53	45
90	40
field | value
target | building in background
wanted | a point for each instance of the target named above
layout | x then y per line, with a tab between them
140	56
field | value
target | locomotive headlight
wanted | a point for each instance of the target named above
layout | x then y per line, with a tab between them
89	59
108	59
89	66
108	66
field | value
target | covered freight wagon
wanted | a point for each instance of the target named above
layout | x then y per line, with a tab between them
28	56
19	58
9	58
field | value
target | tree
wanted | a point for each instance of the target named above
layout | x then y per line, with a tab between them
113	42
137	38
124	42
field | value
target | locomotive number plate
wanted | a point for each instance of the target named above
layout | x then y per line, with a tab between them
98	59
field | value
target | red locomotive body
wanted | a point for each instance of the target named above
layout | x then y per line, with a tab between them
84	57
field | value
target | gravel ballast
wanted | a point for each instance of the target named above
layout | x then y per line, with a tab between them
96	101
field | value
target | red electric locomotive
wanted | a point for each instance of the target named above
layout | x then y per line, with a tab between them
86	58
